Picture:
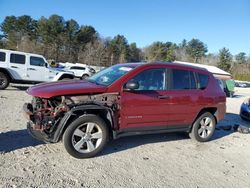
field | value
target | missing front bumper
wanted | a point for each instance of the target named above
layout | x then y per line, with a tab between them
38	134
28	111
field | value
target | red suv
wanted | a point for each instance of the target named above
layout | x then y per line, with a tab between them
123	100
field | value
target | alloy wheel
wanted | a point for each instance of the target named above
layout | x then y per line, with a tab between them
87	137
206	127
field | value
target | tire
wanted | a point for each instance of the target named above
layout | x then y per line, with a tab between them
203	127
84	77
79	139
4	81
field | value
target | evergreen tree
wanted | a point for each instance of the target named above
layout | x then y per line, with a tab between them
241	57
196	49
225	59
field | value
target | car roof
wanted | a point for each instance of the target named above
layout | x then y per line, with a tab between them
20	52
169	64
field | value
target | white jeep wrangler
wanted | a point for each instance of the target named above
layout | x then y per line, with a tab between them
21	67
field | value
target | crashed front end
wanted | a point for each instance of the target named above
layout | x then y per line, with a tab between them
48	118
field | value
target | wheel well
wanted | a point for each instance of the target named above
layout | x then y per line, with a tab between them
85	74
102	113
6	72
212	110
66	76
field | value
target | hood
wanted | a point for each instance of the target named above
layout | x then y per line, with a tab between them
75	87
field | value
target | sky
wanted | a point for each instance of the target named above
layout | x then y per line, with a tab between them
217	23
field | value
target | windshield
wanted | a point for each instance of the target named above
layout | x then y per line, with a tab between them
109	75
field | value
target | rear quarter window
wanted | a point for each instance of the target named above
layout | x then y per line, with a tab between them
17	58
203	80
2	56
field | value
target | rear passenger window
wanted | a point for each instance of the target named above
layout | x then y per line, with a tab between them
17	58
203	80
2	56
182	79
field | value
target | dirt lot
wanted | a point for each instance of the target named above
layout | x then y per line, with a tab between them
163	160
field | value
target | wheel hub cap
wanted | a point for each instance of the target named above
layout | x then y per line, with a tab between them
206	126
87	137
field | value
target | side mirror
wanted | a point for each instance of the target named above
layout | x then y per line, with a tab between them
131	85
46	65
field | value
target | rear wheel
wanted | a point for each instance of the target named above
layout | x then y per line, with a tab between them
84	77
4	81
203	128
86	136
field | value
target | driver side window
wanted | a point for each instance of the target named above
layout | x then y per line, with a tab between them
152	79
37	61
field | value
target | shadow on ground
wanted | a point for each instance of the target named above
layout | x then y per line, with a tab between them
19	87
232	119
126	143
136	141
13	140
238	96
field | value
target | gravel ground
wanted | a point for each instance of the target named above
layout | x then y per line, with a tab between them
162	160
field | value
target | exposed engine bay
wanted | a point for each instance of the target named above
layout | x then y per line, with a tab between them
46	114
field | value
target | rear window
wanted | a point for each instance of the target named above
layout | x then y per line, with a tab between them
203	80
2	56
182	79
17	58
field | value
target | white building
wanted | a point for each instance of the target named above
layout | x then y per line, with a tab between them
218	73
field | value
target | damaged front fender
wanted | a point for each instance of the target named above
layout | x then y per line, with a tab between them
49	118
82	110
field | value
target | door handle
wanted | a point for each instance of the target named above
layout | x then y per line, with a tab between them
31	69
163	97
14	67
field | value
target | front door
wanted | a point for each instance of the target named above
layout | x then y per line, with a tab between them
145	106
36	69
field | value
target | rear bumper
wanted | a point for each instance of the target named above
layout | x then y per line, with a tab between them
221	111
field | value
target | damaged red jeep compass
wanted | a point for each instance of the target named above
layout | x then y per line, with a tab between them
123	100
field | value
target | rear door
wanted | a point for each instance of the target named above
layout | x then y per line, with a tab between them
184	97
17	66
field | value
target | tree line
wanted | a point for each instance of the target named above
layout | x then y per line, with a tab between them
67	41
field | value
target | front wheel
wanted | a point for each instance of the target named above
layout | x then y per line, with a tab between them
203	127
4	81
85	137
